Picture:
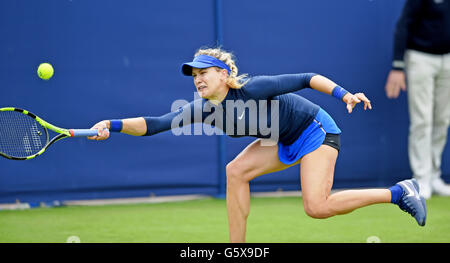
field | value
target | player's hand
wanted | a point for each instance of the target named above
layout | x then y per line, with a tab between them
352	99
103	131
395	83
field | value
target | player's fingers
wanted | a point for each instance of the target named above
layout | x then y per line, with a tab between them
100	134
349	108
100	131
361	96
103	134
366	101
95	136
106	133
355	99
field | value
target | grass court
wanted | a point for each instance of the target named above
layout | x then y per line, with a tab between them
271	220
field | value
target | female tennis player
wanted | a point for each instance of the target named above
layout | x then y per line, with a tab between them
307	135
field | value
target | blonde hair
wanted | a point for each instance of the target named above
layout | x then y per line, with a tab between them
234	80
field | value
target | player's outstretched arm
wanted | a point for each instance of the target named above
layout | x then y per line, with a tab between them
131	126
327	86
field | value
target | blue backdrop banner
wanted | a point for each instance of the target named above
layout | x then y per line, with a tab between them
116	59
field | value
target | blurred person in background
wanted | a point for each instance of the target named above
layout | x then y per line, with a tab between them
421	66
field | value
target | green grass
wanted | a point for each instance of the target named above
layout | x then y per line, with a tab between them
271	220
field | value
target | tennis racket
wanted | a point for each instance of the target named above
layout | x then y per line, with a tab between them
23	135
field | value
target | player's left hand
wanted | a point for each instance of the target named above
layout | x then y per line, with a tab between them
352	99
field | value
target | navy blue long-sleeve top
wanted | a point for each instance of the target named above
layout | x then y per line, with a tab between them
258	95
424	25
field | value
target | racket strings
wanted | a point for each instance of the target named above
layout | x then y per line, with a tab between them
20	134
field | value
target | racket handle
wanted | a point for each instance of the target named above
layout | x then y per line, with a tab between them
83	132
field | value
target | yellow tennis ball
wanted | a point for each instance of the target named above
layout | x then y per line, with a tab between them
45	71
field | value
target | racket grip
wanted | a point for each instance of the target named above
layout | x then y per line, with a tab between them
83	132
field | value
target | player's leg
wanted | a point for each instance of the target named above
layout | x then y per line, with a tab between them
317	171
253	161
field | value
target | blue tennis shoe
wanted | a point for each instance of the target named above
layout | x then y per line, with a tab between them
412	202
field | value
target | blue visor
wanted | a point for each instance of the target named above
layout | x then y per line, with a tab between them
203	61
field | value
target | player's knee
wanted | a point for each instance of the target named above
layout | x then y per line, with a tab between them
316	210
235	173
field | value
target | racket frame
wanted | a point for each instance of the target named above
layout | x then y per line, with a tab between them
63	133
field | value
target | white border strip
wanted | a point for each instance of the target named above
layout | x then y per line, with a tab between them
139	200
